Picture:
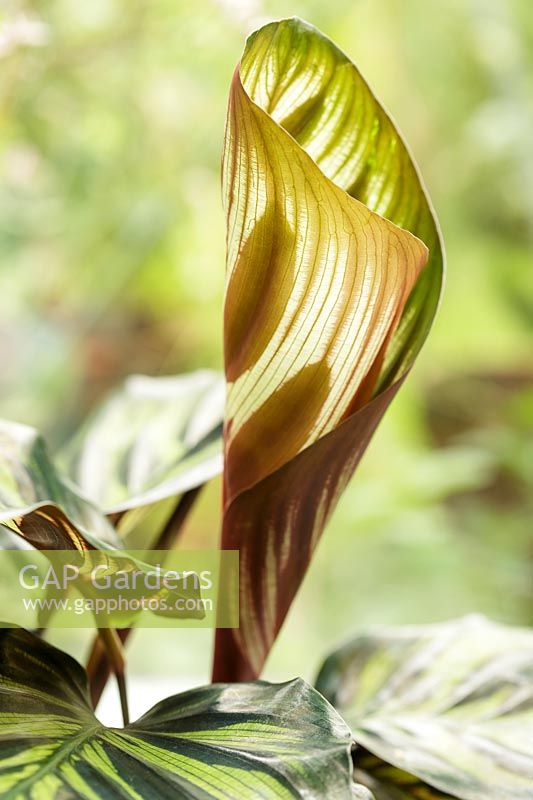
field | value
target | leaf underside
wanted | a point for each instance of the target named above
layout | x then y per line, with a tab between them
38	503
244	742
153	440
321	317
156	438
447	705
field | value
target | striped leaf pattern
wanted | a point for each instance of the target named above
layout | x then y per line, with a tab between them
38	504
46	511
249	742
449	706
327	303
152	439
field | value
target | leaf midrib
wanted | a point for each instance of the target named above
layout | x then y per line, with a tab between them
63	751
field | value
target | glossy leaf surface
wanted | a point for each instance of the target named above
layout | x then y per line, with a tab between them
327	303
38	503
152	439
245	742
50	514
450	704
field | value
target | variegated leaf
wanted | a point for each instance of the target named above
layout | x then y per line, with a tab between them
327	303
446	705
50	514
153	439
246	742
38	503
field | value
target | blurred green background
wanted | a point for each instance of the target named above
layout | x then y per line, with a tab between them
112	262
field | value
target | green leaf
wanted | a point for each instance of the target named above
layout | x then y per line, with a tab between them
315	93
49	513
327	304
38	503
449	704
227	742
152	439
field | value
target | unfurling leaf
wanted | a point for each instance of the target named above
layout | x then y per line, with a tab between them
448	705
246	742
327	304
152	439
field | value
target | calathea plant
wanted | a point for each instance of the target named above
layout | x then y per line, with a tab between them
334	271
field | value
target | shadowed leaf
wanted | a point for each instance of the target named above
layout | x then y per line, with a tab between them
449	705
327	304
245	742
390	783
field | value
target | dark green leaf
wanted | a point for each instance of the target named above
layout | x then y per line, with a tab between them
228	742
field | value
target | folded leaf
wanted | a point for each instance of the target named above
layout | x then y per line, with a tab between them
327	303
231	743
154	438
38	503
450	704
50	514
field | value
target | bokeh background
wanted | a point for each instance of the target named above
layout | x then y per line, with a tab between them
112	262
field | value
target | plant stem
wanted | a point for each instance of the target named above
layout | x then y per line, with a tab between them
168	536
115	655
98	666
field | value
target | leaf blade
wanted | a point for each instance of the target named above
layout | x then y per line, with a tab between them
448	703
152	439
342	320
263	510
336	118
316	293
256	740
38	503
49	513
